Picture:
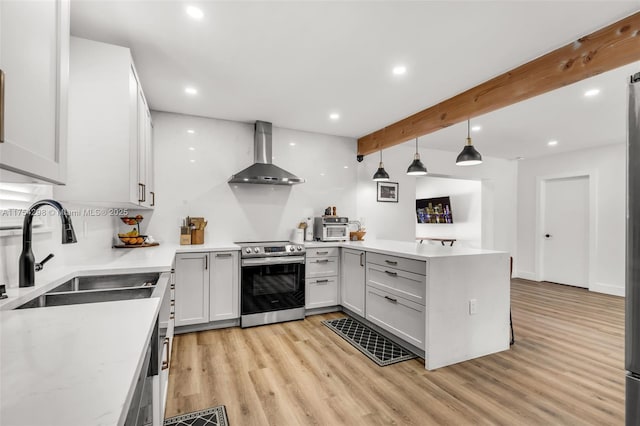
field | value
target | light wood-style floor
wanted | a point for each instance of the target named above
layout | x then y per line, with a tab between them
566	368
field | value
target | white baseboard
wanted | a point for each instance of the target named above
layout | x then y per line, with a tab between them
525	275
613	290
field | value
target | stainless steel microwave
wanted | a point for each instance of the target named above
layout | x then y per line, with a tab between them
331	228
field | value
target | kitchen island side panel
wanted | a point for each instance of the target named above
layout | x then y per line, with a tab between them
454	334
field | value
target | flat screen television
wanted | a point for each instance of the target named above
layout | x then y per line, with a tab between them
434	210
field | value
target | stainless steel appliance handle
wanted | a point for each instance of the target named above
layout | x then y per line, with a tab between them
273	260
1	106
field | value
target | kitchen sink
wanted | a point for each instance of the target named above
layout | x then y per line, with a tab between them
106	282
95	296
95	289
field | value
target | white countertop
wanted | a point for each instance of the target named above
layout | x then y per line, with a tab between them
408	249
72	365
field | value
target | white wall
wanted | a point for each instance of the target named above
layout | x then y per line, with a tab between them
607	165
466	209
397	220
94	234
244	212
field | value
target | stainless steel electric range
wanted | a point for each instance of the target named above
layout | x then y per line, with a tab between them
271	282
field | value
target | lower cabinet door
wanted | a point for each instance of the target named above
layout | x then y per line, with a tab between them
401	317
192	289
225	285
321	292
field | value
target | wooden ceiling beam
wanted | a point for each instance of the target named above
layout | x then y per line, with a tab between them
608	48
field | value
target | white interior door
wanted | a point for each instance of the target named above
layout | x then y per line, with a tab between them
566	231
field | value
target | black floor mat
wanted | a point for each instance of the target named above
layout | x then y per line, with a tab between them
216	416
378	348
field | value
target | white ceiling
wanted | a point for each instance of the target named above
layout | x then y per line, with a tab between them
295	62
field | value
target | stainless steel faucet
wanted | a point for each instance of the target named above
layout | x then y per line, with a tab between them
27	263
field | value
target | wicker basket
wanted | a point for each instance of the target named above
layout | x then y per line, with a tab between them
357	235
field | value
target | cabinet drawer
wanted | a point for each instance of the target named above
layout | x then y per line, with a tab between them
401	283
321	267
321	292
323	252
403	318
410	265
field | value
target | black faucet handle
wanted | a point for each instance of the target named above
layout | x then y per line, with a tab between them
40	264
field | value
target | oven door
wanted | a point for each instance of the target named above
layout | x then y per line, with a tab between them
272	284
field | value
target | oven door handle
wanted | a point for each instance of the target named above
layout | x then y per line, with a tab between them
273	260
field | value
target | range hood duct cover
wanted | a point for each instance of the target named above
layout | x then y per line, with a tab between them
262	171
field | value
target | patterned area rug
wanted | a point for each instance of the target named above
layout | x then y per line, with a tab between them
216	416
378	348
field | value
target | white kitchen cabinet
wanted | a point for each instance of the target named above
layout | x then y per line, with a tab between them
352	285
34	57
224	299
402	317
110	131
192	289
321	292
321	277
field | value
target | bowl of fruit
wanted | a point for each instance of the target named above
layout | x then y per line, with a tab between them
132	238
132	220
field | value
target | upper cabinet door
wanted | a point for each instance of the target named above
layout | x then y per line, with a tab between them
34	57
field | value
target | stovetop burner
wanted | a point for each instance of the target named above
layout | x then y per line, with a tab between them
270	249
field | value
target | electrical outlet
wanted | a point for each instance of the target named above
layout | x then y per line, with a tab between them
473	306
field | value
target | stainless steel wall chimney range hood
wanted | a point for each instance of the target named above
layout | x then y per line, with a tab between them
262	170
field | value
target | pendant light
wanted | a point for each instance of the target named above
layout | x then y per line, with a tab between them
469	156
416	168
381	174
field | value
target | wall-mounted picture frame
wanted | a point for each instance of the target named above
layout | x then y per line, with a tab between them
388	192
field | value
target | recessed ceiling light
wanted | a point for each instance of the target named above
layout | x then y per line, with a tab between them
552	143
334	116
191	131
190	90
476	128
321	174
194	12
192	161
346	167
399	70
191	148
591	92
292	144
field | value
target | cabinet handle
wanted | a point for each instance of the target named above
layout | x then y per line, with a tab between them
165	363
173	303
391	262
391	299
140	191
173	287
362	259
172	316
393	274
322	261
1	106
206	262
321	281
322	252
144	193
153	198
224	255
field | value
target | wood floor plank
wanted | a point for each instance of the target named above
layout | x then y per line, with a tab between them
566	368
